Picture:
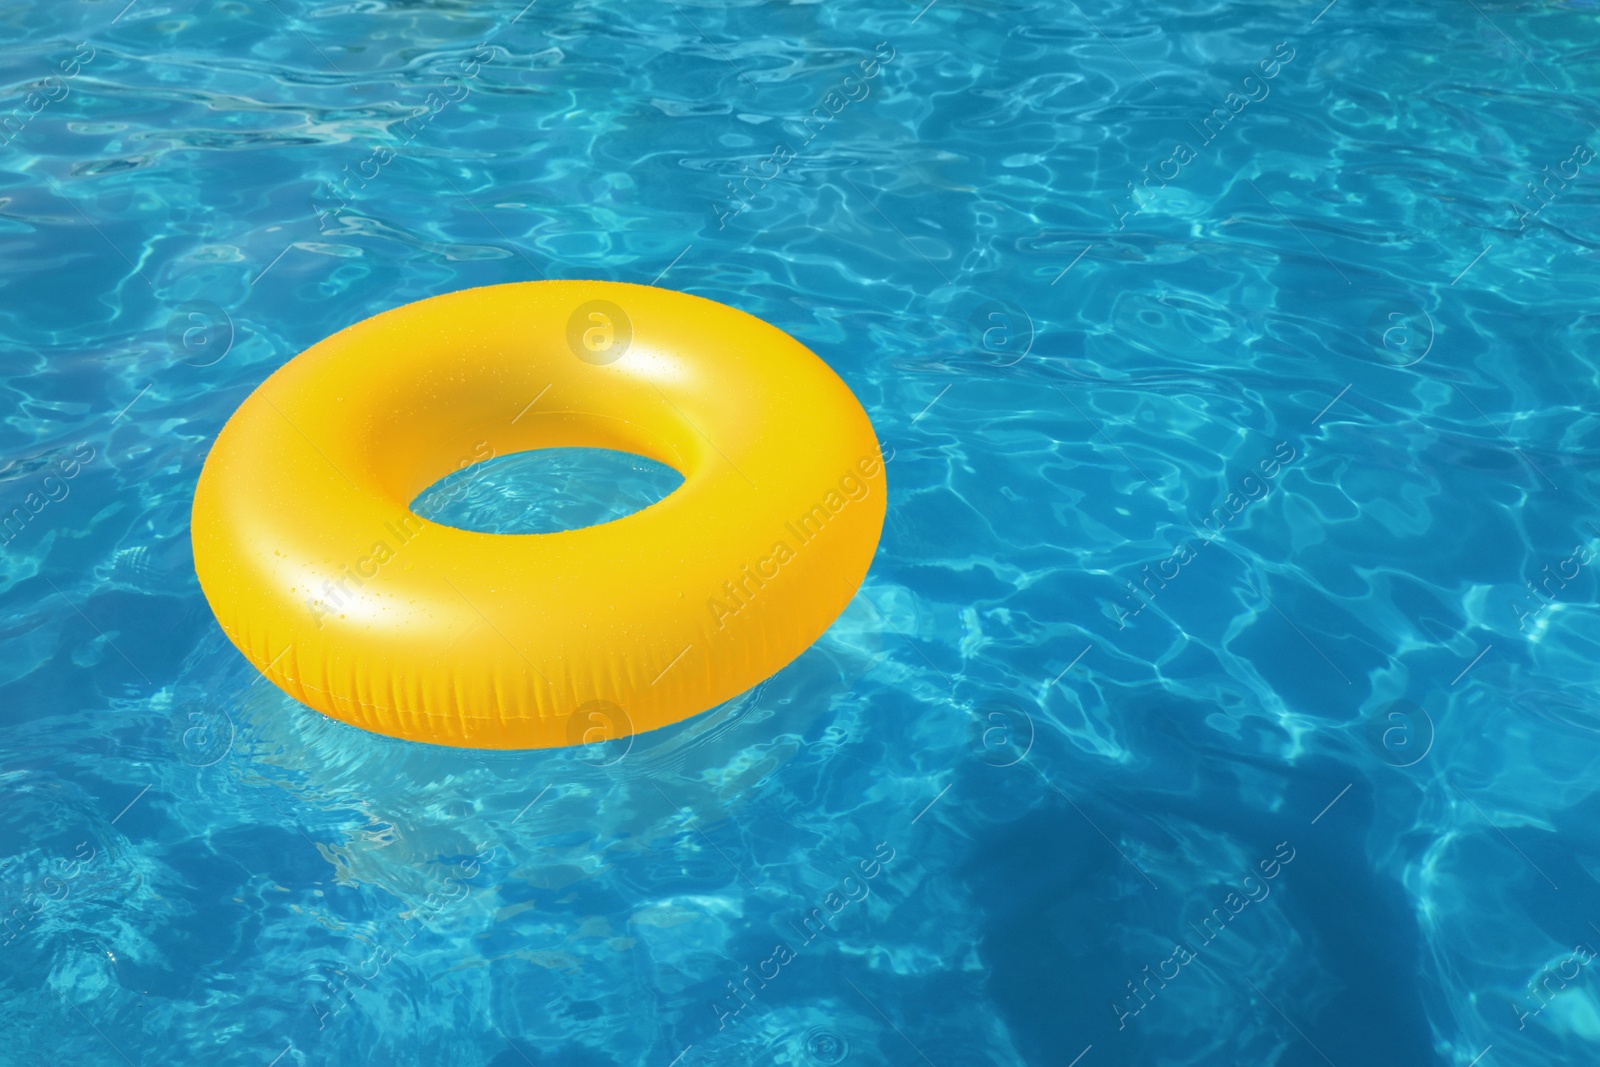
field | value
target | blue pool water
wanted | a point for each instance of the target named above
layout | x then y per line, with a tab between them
1224	688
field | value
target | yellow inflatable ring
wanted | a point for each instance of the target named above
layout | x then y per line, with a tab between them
317	569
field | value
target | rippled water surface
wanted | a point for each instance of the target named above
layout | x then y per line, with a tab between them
1224	688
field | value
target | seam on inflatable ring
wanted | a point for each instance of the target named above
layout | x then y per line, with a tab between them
270	670
358	702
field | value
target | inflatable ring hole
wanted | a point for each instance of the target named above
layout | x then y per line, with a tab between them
547	490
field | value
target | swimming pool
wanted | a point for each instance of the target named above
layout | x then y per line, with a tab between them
1222	691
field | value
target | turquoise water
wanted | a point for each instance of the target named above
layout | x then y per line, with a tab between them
1223	691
